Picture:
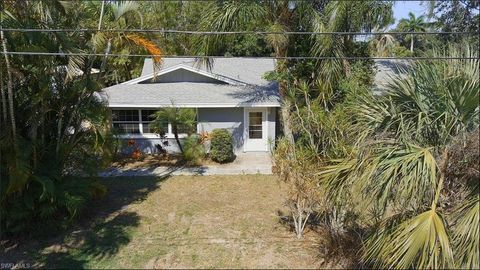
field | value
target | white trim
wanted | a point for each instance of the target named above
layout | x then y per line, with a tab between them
188	68
264	127
244	128
140	123
194	105
149	136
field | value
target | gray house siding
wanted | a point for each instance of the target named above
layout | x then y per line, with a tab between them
271	126
147	145
183	75
228	118
209	119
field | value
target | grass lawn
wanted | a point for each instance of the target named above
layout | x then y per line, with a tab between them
177	222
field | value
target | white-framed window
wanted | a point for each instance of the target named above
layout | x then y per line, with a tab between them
126	121
137	121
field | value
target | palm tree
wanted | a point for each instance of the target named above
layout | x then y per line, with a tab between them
405	167
413	24
382	45
287	15
177	117
9	86
123	15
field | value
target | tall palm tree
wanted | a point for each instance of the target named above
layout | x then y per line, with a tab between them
288	15
413	24
9	86
123	15
404	168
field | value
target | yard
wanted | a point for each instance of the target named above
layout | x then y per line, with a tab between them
178	222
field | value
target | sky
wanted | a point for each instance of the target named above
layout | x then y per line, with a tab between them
402	8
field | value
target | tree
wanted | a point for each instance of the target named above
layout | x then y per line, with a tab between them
60	124
402	161
123	15
413	24
178	118
284	15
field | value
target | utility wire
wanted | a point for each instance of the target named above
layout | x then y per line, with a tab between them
173	31
245	0
242	57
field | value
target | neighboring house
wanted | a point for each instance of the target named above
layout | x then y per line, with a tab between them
232	95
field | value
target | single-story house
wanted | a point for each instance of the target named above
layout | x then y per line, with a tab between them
232	94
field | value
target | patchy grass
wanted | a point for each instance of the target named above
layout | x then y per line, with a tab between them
177	222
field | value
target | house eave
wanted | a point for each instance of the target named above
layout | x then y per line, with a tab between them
195	105
185	67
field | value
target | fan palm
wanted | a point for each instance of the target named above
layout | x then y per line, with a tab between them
413	24
404	166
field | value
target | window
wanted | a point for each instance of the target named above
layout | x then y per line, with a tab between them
255	125
147	117
138	122
126	121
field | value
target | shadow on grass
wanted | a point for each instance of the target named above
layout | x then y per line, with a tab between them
102	230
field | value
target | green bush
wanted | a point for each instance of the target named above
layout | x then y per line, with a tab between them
221	149
193	150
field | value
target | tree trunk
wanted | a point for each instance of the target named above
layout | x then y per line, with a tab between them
411	44
9	88
104	62
281	67
4	101
286	120
175	133
101	15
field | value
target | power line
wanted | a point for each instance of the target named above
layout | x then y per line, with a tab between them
241	57
173	31
245	0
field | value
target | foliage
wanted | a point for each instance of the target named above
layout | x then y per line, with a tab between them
60	125
177	117
123	15
413	24
194	151
296	167
221	149
401	162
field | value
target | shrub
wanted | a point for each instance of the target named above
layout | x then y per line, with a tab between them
193	151
221	149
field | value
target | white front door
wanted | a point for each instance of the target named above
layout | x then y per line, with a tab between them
255	129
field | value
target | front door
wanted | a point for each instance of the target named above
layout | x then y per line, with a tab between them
255	129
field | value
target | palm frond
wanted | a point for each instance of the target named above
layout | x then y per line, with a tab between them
466	234
151	47
121	8
419	242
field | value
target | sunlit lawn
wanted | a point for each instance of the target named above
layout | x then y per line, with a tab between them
178	222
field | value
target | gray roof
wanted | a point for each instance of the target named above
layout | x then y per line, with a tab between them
385	71
249	71
252	90
192	94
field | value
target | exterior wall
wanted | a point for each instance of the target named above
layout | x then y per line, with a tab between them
147	145
209	119
183	75
228	118
271	126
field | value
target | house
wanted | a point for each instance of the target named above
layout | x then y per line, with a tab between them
232	94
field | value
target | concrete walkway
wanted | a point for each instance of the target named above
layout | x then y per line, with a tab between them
244	163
